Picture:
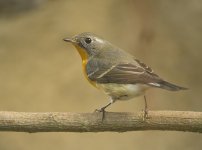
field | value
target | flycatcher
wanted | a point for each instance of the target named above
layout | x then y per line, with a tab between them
120	75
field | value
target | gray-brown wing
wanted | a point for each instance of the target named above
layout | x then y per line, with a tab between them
146	68
124	73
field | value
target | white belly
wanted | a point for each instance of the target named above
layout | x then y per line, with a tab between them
123	91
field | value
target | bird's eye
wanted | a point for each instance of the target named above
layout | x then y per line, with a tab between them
88	40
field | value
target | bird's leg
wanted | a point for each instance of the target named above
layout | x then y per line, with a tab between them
102	109
145	108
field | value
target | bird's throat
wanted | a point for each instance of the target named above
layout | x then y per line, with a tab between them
82	53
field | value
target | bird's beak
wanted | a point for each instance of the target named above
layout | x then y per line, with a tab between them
69	40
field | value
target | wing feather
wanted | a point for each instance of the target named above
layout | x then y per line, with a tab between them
122	73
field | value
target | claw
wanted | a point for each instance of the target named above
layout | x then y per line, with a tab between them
101	110
145	116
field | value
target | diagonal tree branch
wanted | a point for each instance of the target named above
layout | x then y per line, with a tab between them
92	122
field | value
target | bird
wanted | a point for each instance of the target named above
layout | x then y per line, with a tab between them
114	71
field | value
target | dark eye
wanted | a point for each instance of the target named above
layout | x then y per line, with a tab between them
88	40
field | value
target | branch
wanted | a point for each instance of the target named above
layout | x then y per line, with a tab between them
92	122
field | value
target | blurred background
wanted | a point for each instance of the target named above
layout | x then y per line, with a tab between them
40	73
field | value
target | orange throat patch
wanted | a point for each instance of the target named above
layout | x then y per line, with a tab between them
84	57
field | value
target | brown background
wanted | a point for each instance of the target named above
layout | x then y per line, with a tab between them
40	72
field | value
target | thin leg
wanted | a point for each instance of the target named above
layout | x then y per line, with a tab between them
145	108
102	109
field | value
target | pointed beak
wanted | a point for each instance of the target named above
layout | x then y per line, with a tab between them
69	40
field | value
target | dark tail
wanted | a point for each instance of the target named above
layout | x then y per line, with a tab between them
169	86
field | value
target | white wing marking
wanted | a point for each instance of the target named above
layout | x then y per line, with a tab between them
155	84
104	73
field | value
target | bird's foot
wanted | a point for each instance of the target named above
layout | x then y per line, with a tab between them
101	110
146	114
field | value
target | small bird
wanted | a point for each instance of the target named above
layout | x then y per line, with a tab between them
119	74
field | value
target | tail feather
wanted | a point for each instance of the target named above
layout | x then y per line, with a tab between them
169	86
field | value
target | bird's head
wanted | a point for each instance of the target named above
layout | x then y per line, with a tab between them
87	44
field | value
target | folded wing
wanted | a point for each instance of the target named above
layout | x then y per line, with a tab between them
123	73
127	73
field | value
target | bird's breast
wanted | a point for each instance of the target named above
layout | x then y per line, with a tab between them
84	63
84	56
